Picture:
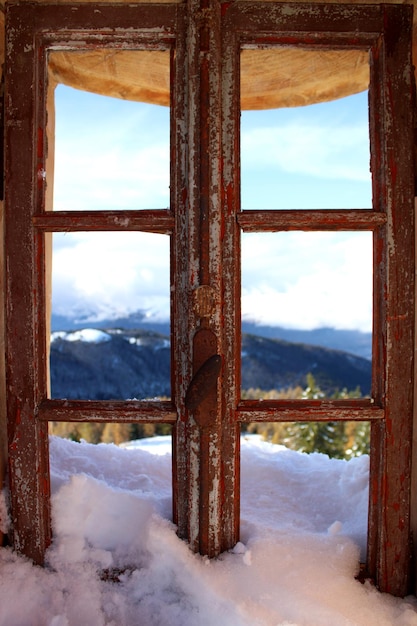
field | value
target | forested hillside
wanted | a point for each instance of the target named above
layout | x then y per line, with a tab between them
118	364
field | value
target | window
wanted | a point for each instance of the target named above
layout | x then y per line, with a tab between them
204	222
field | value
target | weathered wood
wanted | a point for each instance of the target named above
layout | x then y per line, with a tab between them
301	23
3	405
25	313
308	410
160	221
131	411
270	221
393	179
181	272
206	515
64	25
231	262
204	380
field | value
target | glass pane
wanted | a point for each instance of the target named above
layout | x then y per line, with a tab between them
110	153
306	157
110	316
306	313
120	433
309	478
339	440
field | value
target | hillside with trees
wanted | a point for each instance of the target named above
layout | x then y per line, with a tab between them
93	364
118	364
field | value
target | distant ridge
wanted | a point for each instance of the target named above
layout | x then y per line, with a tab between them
353	341
120	364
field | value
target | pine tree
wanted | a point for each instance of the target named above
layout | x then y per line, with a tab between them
325	437
358	439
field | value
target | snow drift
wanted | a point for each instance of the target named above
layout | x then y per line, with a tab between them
116	560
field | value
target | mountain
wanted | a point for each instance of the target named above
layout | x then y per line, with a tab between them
96	364
132	321
353	341
92	364
277	364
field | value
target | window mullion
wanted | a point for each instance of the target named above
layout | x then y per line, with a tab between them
153	221
206	489
310	219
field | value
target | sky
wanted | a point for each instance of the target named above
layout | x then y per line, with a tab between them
114	154
303	528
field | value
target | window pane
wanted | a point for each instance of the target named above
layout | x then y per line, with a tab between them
324	492
110	153
307	282
110	316
306	157
119	433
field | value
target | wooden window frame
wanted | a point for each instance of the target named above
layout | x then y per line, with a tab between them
205	40
386	33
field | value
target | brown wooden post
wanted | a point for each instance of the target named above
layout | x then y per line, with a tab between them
207	436
413	500
25	306
391	110
3	417
231	277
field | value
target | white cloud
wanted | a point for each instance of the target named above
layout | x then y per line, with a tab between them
113	179
111	274
308	280
298	280
325	150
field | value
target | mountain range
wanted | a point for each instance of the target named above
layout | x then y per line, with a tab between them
122	363
353	341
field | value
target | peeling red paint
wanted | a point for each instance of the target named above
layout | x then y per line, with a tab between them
394	169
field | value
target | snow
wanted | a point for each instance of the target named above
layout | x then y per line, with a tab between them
87	335
303	526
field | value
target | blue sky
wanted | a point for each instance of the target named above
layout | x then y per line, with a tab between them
115	154
307	157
